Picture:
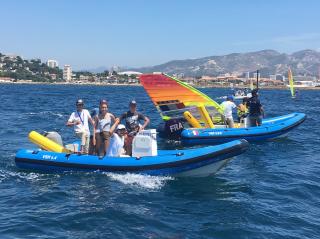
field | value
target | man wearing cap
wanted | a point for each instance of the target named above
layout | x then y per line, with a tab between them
132	119
116	147
256	111
79	120
228	106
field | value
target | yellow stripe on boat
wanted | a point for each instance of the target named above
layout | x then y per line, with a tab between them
45	143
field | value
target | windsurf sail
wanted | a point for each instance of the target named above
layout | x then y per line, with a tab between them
172	97
290	78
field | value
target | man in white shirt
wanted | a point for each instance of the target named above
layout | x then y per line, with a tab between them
79	119
228	106
117	142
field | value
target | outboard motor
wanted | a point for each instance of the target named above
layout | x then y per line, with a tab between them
54	136
171	129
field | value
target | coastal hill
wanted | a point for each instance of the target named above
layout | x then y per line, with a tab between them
17	68
269	62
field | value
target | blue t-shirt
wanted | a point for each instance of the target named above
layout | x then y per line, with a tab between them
254	106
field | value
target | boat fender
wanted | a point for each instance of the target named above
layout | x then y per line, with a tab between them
205	116
45	143
191	120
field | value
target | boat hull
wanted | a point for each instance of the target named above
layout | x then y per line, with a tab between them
198	162
270	128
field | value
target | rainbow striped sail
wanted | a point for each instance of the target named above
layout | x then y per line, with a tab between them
173	97
290	78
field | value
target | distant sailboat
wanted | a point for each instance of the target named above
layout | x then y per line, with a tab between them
291	86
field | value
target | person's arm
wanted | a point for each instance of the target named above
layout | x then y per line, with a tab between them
71	121
146	122
115	124
122	117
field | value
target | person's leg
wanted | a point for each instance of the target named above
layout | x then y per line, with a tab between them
259	120
128	144
92	148
106	137
87	142
230	122
102	148
98	144
81	136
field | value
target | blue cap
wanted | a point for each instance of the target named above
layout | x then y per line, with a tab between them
229	97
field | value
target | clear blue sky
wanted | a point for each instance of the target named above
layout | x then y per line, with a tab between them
92	33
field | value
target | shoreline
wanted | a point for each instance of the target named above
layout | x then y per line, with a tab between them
135	85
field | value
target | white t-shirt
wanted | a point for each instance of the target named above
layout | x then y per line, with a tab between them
116	146
83	117
227	108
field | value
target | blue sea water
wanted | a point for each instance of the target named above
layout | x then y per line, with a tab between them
271	191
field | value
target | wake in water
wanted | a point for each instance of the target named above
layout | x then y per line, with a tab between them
46	113
143	181
17	176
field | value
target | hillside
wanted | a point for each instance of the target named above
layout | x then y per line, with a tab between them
306	62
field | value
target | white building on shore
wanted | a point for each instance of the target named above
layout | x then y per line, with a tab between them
129	73
67	73
52	63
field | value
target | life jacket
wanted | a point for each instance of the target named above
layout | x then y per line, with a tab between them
243	111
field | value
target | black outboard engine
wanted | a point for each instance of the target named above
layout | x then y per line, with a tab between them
171	129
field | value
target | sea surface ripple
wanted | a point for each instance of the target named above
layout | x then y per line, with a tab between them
271	191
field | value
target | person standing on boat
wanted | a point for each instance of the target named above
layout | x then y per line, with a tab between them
132	119
256	111
116	147
104	128
228	106
79	120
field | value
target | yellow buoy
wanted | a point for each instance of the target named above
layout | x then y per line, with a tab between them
45	143
191	120
205	116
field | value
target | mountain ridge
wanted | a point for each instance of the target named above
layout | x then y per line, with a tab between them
268	61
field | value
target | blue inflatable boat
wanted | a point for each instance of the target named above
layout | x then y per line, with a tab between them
197	162
270	128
